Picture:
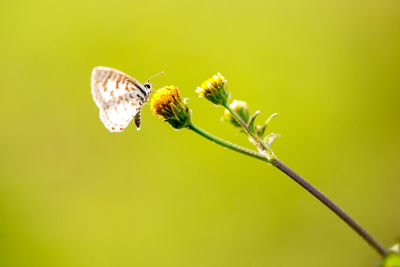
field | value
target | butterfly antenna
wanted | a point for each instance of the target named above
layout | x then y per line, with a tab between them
158	74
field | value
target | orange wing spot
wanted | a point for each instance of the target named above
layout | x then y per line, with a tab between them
105	79
120	97
127	87
112	128
111	93
116	82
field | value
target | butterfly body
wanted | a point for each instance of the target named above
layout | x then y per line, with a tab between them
119	97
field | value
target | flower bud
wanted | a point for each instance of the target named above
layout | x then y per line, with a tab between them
167	104
214	89
241	108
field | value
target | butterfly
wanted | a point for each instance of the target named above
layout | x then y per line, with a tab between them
119	97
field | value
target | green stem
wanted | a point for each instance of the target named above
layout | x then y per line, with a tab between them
226	144
299	180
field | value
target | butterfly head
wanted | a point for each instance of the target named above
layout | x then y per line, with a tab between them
147	85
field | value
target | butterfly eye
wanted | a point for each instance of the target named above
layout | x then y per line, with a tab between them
147	85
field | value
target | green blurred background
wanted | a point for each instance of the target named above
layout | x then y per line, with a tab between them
73	194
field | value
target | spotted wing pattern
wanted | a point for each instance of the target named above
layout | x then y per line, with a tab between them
118	96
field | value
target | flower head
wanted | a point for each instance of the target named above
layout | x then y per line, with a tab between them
214	89
167	104
241	108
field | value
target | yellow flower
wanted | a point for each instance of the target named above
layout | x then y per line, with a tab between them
214	89
241	108
167	104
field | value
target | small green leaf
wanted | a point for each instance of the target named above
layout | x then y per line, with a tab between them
269	119
260	130
270	138
251	124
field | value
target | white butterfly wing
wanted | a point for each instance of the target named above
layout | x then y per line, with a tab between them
118	96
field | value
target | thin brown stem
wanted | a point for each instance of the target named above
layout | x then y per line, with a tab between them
331	205
299	180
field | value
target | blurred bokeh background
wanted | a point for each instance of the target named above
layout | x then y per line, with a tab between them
73	194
